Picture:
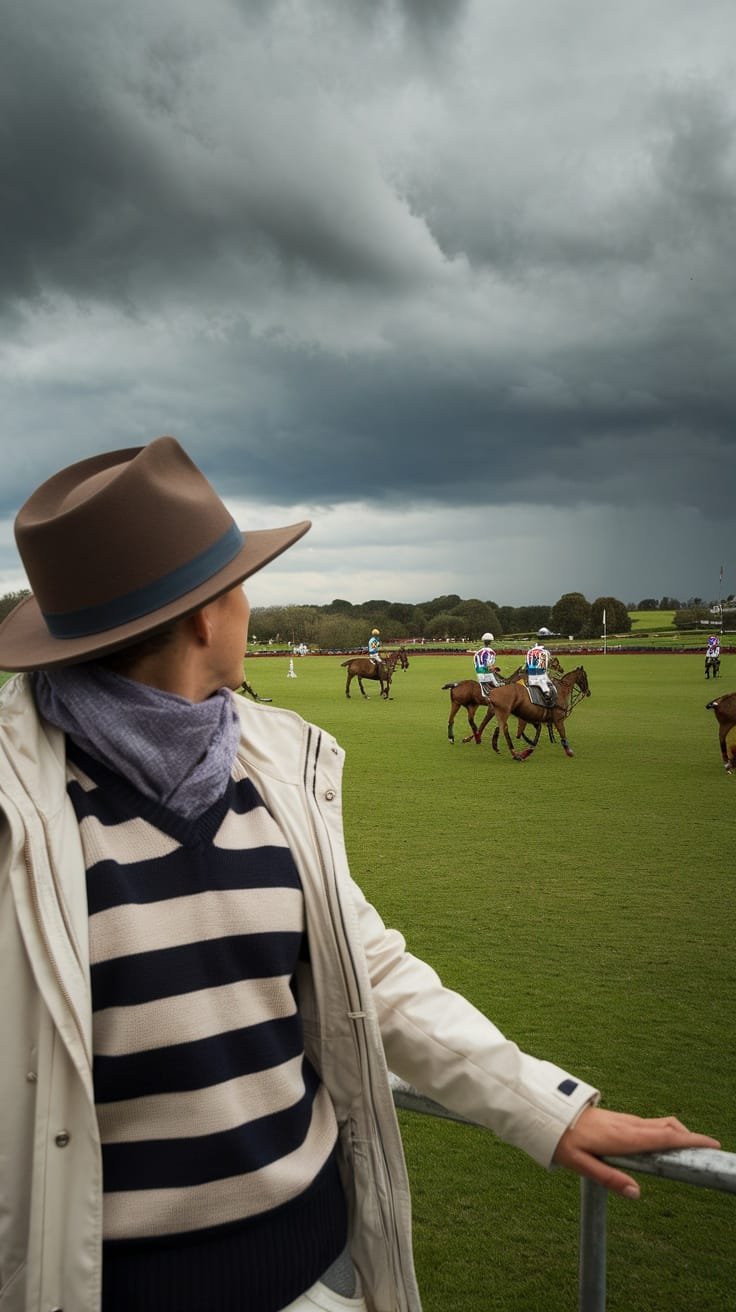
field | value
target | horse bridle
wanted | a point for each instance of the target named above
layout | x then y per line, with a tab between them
576	695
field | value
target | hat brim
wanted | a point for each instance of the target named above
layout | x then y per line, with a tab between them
26	644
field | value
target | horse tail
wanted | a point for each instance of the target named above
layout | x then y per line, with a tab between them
344	663
448	685
711	706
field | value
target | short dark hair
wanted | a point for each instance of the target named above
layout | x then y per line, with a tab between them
123	660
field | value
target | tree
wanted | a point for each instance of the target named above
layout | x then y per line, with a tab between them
690	617
404	614
649	603
439	604
10	601
618	619
339	633
477	617
527	619
446	625
571	614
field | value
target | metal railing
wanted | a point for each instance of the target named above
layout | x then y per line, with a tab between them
706	1167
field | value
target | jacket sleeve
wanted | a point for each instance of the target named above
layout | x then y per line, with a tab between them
440	1043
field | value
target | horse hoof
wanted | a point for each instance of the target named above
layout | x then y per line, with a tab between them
569	751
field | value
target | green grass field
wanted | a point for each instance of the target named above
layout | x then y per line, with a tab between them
587	906
651	619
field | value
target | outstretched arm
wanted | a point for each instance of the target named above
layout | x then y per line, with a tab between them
597	1133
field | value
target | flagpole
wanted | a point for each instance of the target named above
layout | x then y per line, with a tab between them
604	630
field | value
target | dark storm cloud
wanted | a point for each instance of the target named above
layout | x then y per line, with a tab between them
416	252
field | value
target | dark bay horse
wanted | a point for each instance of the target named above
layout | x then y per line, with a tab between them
725	713
467	693
513	699
362	667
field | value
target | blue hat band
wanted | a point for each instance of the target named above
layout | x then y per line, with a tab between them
153	596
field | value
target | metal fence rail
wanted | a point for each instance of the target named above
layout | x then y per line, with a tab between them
706	1167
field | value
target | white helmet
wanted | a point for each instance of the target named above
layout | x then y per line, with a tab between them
487	637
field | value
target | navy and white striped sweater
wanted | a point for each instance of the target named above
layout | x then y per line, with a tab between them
217	1137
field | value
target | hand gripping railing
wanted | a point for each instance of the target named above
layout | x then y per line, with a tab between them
707	1167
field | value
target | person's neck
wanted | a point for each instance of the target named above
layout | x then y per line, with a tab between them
174	672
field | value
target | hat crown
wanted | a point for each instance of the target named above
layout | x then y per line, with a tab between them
120	545
114	524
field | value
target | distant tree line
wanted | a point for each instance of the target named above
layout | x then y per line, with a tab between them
342	625
668	603
10	601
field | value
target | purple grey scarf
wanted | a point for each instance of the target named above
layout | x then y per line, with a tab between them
178	752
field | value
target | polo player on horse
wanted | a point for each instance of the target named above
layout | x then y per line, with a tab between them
486	669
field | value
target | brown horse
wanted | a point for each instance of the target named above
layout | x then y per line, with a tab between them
514	699
467	693
725	712
362	667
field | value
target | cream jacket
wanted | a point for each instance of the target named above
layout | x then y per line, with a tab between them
368	1006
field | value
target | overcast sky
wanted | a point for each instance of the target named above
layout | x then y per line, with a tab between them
456	279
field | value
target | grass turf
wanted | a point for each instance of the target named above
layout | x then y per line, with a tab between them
586	905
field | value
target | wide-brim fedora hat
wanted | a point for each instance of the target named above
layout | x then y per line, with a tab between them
119	546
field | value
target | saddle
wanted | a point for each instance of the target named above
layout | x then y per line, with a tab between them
539	698
483	687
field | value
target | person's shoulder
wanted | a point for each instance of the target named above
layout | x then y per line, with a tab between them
259	719
279	741
17	702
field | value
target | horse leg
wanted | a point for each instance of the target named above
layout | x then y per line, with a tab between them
363	692
560	727
347	684
532	742
503	723
478	733
521	729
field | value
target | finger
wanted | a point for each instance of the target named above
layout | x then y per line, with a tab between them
618	1182
672	1134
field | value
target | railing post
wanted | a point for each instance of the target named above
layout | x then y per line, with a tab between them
711	1168
592	1273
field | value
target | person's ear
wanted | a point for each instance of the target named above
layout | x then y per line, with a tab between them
202	626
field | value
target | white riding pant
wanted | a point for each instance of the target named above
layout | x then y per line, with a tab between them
540	681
